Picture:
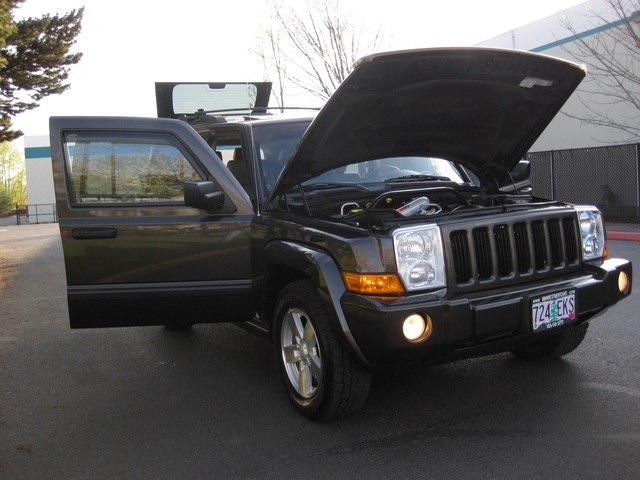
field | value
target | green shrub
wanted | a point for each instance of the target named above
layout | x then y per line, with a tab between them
6	202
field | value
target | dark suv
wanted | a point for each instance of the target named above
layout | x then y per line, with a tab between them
373	233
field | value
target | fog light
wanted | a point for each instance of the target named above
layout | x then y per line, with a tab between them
416	328
623	282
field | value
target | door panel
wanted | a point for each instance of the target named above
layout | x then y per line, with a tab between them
135	254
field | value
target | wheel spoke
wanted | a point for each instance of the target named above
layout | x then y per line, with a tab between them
289	352
305	386
315	366
297	329
310	335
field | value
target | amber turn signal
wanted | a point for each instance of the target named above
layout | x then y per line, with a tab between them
373	283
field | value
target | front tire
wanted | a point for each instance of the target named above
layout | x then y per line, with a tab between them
322	380
553	347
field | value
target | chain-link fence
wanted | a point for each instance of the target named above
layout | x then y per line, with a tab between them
36	213
607	177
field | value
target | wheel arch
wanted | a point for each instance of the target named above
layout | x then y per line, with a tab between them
286	262
278	276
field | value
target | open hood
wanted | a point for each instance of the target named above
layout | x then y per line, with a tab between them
482	108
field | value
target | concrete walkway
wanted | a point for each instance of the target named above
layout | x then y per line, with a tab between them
623	231
4	221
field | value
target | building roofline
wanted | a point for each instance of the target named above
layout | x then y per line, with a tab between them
586	33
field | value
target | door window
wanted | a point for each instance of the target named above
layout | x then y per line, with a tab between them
126	169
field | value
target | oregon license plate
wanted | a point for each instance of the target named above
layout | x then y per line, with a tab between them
553	310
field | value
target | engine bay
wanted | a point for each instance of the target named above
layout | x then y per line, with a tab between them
361	208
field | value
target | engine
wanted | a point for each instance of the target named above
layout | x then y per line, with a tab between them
420	204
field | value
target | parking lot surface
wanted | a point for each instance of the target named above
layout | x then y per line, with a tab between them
146	403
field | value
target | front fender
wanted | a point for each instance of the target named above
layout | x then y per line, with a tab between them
300	261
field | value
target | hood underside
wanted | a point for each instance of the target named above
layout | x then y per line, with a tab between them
482	108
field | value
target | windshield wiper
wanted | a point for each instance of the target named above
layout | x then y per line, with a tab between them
418	177
328	185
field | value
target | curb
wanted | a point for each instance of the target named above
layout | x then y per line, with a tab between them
631	236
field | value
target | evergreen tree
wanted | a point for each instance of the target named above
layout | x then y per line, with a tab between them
34	60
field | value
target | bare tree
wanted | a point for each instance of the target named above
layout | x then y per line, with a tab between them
611	51
312	49
274	62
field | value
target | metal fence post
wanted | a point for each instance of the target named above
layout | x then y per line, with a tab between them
637	181
552	176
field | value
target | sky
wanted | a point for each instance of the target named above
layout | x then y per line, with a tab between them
128	45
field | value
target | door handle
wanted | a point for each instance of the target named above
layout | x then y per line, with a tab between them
93	233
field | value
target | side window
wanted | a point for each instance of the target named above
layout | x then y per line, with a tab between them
233	154
231	151
126	168
227	147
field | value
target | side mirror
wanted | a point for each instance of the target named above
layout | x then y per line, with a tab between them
203	194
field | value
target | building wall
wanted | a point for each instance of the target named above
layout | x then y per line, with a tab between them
550	36
40	191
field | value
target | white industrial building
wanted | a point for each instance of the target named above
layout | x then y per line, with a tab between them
547	36
550	36
40	192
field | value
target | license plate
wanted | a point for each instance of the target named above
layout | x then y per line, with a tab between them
553	310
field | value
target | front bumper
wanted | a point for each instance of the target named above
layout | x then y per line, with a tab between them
472	325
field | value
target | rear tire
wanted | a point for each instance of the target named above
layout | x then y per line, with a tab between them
322	380
553	347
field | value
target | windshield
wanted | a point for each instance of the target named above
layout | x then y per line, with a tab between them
275	143
392	169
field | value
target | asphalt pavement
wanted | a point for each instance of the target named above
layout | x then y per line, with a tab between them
146	403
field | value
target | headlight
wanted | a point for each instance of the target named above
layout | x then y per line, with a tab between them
420	257
591	232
